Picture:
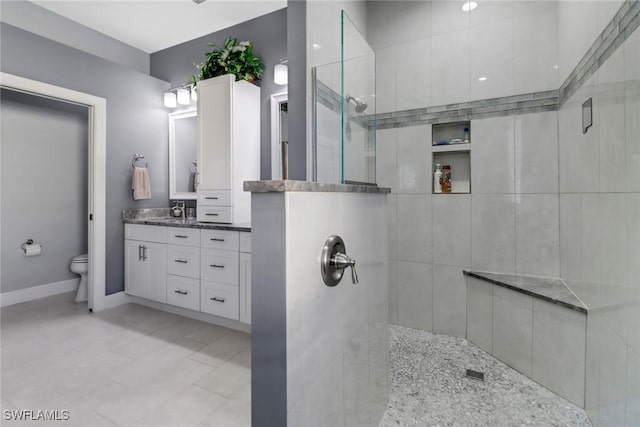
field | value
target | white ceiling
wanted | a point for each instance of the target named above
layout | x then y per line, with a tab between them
153	25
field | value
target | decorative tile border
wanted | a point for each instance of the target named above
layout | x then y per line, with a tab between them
328	97
496	107
504	106
623	24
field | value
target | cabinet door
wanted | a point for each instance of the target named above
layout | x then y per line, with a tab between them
135	280
156	271
215	133
245	288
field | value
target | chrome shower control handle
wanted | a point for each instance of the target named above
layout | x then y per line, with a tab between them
334	260
342	261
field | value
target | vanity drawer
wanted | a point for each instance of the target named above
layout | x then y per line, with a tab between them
146	233
183	236
214	214
214	198
220	266
220	239
183	261
183	292
245	242
221	300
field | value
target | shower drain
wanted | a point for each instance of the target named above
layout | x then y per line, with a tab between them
475	375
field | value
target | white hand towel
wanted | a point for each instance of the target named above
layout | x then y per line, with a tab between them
140	184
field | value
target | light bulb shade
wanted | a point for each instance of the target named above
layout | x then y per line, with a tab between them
281	74
469	6
170	100
194	93
184	97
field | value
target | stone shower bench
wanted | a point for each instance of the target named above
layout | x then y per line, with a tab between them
536	325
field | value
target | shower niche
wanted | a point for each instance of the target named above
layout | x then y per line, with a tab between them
451	146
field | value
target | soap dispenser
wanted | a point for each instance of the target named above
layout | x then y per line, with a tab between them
437	179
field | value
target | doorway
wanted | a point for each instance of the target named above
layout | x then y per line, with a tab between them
96	220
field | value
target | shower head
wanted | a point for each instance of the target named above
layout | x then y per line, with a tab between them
360	106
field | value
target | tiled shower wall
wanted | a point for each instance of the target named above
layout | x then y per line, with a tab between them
600	216
430	54
509	224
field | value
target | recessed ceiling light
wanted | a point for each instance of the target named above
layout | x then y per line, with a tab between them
469	6
482	79
316	46
555	67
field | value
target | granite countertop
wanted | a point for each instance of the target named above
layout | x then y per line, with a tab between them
549	289
310	187
160	216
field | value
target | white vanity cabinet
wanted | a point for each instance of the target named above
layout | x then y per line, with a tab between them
183	267
201	270
220	273
145	272
245	278
228	148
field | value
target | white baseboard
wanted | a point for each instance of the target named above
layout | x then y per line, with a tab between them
197	315
116	299
37	292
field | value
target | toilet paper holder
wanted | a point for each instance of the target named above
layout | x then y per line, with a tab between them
28	242
29	248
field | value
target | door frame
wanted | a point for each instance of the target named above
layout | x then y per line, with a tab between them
97	112
276	133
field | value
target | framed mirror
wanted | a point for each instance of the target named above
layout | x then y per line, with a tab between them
183	146
279	137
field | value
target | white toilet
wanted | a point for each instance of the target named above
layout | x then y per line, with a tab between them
80	265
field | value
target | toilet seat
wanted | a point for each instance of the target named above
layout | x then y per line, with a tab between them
81	259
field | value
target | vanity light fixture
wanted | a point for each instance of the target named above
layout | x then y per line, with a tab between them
469	6
482	79
281	73
184	97
181	95
170	100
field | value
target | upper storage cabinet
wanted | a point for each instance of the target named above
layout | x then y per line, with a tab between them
228	147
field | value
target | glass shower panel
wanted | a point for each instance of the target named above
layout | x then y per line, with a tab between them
358	106
327	123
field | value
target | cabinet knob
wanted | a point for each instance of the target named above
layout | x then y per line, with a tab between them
179	236
215	239
216	266
216	299
181	261
181	292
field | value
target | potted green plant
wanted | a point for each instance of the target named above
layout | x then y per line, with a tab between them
233	58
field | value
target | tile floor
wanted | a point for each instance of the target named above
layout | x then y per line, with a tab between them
136	366
428	387
127	366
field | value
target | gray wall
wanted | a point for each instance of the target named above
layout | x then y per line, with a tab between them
38	20
269	35
297	50
136	122
44	187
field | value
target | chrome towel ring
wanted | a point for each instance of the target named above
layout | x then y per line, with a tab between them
137	157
